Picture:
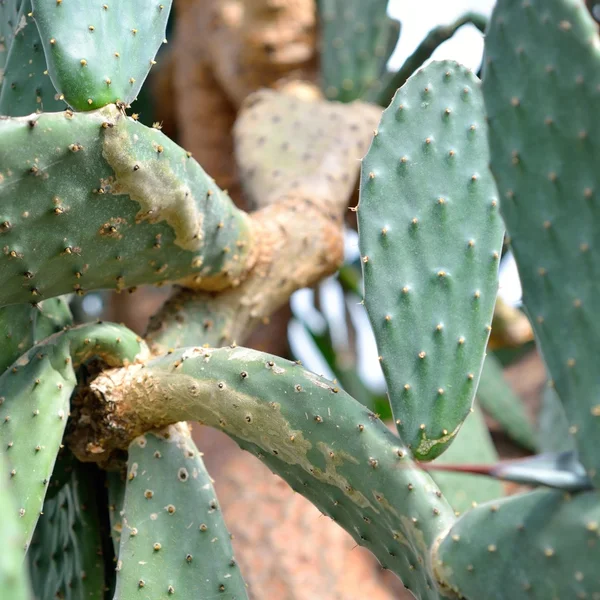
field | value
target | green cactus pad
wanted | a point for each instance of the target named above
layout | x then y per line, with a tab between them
23	325
325	444
174	540
473	444
26	86
35	393
358	39
97	200
430	240
13	576
541	82
541	546
97	53
65	556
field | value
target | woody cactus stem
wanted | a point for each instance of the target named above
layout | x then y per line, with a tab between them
302	190
324	443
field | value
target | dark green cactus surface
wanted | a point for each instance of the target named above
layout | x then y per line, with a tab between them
174	541
430	240
100	53
13	577
34	406
541	546
26	87
325	444
65	556
357	41
110	203
541	88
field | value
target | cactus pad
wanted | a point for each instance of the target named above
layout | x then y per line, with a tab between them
290	146
541	546
358	38
97	200
325	444
26	87
35	393
97	53
541	88
430	240
13	577
174	540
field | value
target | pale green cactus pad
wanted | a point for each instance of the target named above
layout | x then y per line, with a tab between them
430	240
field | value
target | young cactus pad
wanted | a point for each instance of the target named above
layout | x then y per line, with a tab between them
97	200
100	53
541	89
174	540
430	240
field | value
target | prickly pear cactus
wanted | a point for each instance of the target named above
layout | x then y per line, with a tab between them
545	157
25	87
94	200
173	539
430	240
97	53
358	38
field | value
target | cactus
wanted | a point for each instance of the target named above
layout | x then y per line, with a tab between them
358	39
129	230
66	550
13	577
100	54
428	214
173	538
549	188
23	325
26	87
315	436
94	200
35	394
462	491
535	545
